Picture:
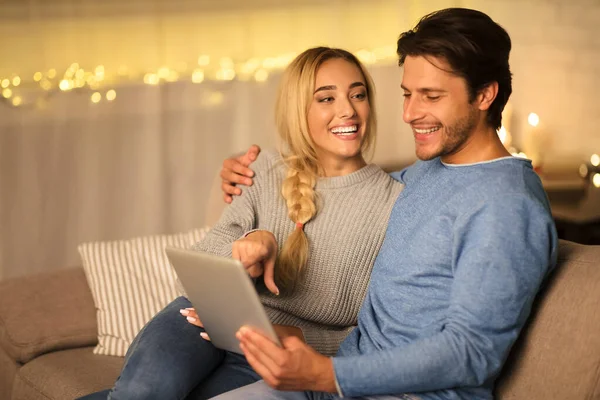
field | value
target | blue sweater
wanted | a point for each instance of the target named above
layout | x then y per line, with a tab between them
466	250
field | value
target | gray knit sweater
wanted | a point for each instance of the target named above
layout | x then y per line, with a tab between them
344	238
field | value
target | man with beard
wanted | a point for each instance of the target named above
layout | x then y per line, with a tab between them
468	244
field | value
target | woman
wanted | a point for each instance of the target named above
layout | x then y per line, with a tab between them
317	209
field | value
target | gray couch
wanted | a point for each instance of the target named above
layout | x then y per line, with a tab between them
48	330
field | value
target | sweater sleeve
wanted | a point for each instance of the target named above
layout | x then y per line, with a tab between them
325	339
502	250
239	217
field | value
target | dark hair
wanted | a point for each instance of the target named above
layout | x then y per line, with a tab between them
476	48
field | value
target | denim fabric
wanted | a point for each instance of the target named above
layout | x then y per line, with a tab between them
169	360
261	391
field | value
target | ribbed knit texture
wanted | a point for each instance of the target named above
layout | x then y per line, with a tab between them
344	239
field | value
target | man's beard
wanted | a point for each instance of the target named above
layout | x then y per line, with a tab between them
456	135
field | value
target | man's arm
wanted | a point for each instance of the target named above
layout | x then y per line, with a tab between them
502	258
235	171
502	252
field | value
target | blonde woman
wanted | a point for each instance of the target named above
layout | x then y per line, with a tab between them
308	229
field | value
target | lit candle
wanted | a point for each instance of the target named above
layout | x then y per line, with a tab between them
534	141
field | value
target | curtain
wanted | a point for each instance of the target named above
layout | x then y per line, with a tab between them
79	162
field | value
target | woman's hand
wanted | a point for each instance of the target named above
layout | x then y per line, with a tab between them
235	171
258	252
191	316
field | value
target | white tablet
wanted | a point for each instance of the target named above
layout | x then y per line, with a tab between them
223	295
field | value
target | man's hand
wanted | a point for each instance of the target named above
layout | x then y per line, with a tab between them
285	331
296	367
235	171
258	252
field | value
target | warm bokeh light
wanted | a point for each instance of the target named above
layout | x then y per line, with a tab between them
198	76
520	155
111	95
17	101
596	180
96	97
6	93
5	83
533	119
203	60
261	75
37	76
16	81
595	160
151	79
583	170
502	134
225	74
52	73
46	85
65	85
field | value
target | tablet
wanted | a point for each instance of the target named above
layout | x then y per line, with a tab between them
223	295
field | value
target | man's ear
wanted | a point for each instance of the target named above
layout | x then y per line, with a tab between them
487	95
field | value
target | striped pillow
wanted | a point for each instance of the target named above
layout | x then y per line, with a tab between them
131	280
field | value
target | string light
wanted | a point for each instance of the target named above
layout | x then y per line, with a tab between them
261	75
203	60
96	97
596	180
533	119
198	76
96	78
111	95
65	85
151	79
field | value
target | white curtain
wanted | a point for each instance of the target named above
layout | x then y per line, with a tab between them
72	170
75	171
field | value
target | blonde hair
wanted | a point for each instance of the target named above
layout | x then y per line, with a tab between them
299	153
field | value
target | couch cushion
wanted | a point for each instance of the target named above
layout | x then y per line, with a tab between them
558	353
46	312
66	374
131	280
8	370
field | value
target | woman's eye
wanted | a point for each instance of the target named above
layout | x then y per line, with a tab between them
360	96
325	100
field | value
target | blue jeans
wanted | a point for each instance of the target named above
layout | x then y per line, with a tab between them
169	360
261	391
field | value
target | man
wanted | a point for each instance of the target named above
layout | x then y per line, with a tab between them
468	244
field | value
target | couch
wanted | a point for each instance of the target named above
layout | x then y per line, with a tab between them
48	330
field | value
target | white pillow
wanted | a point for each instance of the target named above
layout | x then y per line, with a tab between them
131	280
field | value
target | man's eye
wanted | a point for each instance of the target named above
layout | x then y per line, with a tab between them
433	98
406	95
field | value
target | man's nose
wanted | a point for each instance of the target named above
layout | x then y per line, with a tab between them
412	110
